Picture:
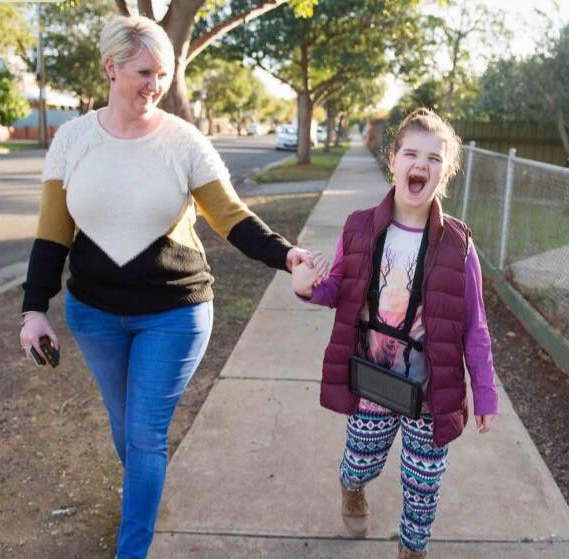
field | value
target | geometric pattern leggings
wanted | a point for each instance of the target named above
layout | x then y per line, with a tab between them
369	437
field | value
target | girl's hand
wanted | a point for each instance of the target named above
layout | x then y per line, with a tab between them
483	422
304	278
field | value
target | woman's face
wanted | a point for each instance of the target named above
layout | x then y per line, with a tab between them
139	83
418	170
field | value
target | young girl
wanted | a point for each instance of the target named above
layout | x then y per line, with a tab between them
448	331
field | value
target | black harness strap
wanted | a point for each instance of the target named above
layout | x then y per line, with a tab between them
415	298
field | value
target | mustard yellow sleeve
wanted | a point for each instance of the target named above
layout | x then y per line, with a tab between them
234	221
221	206
54	222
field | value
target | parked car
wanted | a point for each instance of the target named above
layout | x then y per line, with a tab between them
287	138
255	129
321	134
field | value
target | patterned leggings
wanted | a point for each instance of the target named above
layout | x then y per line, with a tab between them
369	436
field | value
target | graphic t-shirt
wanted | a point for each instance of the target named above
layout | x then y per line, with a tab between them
397	271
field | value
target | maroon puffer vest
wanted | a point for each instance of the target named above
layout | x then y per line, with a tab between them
443	315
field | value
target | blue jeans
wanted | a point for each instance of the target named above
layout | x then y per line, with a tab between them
142	364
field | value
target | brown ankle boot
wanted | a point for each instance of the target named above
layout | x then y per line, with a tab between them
405	553
355	512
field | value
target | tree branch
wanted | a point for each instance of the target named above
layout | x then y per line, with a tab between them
202	42
123	8
145	8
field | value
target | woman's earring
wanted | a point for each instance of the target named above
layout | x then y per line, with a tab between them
112	79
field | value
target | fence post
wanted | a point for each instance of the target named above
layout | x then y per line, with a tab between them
507	208
467	178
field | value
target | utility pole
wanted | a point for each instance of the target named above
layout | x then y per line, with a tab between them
40	76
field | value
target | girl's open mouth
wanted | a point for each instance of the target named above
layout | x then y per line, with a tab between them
416	183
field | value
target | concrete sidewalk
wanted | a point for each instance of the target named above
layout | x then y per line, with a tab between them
257	474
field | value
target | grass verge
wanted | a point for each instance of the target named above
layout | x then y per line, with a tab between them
322	165
18	146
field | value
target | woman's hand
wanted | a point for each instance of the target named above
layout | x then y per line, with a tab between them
305	278
34	325
297	255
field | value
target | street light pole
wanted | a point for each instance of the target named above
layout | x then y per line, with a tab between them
40	74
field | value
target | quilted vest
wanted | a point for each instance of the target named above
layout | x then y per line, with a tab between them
442	315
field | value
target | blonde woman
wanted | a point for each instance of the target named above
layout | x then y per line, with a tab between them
120	189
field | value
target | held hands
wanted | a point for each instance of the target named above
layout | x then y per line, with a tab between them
34	325
296	255
305	277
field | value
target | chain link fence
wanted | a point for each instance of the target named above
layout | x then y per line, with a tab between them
518	210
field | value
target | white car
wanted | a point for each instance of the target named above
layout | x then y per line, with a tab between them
287	138
321	134
255	130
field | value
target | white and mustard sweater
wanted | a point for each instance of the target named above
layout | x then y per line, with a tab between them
124	210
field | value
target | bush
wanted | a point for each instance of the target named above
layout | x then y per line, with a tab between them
13	105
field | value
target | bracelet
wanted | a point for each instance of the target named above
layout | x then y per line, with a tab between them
26	317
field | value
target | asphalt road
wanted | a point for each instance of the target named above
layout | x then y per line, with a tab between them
20	187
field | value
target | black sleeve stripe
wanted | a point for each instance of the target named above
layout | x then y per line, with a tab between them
43	280
256	240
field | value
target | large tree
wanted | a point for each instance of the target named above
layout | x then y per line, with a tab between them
180	20
342	42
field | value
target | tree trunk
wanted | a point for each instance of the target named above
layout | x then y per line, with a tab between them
330	115
179	24
176	101
305	109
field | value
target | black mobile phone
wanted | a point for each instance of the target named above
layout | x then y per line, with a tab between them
51	354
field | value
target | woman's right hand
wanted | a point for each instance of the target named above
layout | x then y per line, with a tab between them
34	325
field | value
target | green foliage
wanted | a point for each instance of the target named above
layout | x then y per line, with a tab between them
237	92
303	8
341	42
12	105
15	33
71	54
531	90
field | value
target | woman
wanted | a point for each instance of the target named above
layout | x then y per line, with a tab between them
120	190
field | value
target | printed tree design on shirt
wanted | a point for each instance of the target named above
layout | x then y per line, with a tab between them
386	353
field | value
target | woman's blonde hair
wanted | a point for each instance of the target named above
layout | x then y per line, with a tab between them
123	38
425	120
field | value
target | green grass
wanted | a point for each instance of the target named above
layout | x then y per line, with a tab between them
533	227
322	165
18	146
